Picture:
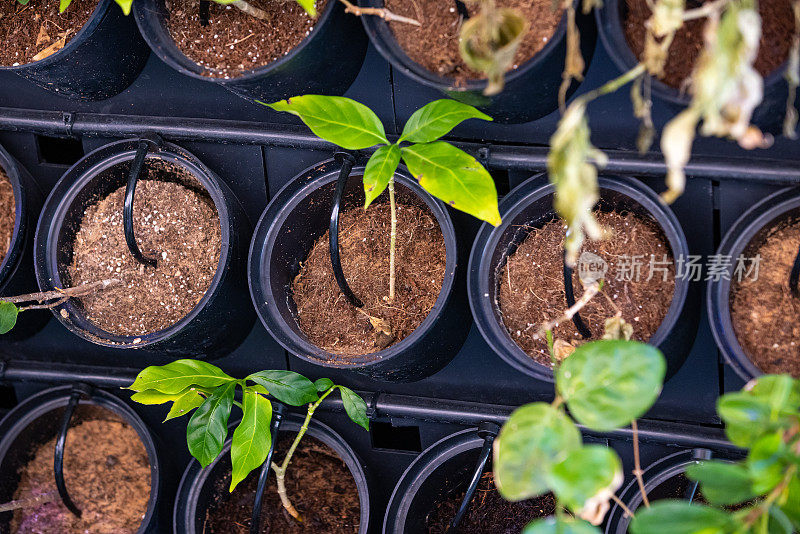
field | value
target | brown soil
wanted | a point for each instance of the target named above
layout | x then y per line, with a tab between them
434	44
27	30
532	286
318	483
7	214
173	216
234	42
107	473
776	39
325	315
489	513
760	308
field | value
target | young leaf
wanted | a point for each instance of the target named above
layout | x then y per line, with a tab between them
288	387
208	427
681	517
151	396
323	384
355	407
251	439
8	315
586	478
722	483
23	2
607	384
184	404
179	375
565	525
63	5
310	6
437	118
535	437
455	177
342	121
380	168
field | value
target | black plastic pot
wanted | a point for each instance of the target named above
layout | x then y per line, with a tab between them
38	419
325	62
531	205
768	115
295	218
662	480
17	275
102	60
197	484
751	227
531	91
222	318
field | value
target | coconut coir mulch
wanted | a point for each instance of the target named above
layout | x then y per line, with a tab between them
531	283
7	214
325	315
107	473
777	20
28	30
489	513
764	311
173	218
434	44
234	42
318	483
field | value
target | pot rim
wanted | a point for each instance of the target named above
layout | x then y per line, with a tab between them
12	170
45	401
483	310
264	240
736	240
64	194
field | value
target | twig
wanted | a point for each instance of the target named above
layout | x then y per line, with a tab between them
637	466
590	291
61	295
383	13
29	502
392	239
622	505
250	10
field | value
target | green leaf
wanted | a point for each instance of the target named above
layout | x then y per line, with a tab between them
566	525
455	177
252	438
355	407
185	404
23	2
746	418
535	437
722	483
680	517
208	427
151	397
323	384
792	505
179	375
342	121
779	522
767	462
380	169
8	314
310	6
286	386
585	473
437	118
63	5
607	384
125	5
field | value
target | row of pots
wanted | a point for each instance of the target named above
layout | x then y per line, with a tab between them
296	217
108	53
440	471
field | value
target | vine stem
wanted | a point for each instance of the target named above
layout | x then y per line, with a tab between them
616	83
29	502
637	465
392	239
622	505
381	12
280	471
59	296
589	291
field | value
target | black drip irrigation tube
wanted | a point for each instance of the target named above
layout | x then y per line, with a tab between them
794	276
145	143
569	293
346	161
488	431
79	390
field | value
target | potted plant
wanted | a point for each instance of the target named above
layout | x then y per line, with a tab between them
199	386
400	254
529	47
756	283
81	49
111	467
188	229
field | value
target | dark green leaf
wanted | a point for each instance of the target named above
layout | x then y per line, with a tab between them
355	407
566	525
722	483
287	386
8	314
342	121
779	522
452	175
208	427
179	375
607	384
380	169
185	404
680	517
323	384
585	473
767	462
535	437
251	439
125	5
23	2
435	119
